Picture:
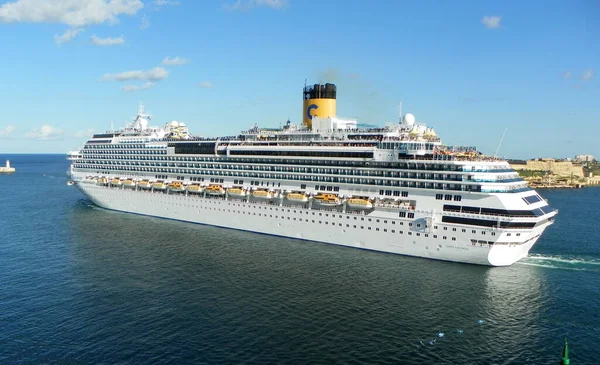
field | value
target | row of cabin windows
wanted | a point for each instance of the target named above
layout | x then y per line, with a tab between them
457	198
324	187
298	166
300	173
404	194
333	174
472	231
328	178
260	183
395	167
102	149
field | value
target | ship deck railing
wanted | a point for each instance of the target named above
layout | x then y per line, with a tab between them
504	217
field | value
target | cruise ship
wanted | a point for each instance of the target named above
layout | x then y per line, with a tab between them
396	188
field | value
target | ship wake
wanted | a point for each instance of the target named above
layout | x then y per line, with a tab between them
562	262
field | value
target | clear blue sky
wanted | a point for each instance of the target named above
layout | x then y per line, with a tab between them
469	69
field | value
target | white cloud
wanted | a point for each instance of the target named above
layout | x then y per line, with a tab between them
83	134
155	74
145	22
587	75
567	75
5	132
67	36
44	133
174	61
243	5
206	84
132	88
159	3
107	41
491	21
76	13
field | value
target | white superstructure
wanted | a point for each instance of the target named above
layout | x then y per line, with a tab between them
393	189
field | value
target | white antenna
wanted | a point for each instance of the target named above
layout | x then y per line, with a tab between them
499	144
400	111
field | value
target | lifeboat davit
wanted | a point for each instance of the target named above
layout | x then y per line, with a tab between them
195	188
214	190
237	192
159	185
145	184
297	197
129	183
359	203
262	194
176	186
327	199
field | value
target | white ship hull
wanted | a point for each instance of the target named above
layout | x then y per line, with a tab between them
332	227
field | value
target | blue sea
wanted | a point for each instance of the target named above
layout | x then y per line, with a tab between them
83	285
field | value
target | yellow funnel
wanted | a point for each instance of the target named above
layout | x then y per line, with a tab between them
319	101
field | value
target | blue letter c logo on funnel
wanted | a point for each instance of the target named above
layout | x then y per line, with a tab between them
310	108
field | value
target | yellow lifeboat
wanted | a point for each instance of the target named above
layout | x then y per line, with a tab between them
262	194
102	181
195	188
213	189
159	185
327	199
145	184
237	192
297	197
359	203
129	183
115	181
176	186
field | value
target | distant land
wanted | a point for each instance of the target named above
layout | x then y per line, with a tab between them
582	171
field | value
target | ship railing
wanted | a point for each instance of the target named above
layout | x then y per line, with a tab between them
526	218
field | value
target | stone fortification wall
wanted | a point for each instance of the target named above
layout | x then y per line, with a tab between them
562	168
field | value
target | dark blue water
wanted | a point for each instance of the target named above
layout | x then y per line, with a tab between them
89	286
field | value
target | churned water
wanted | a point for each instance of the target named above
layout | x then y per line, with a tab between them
83	285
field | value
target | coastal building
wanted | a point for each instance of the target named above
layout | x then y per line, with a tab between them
584	158
561	168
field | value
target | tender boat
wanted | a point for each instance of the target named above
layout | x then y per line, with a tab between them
176	186
262	194
129	183
115	181
297	197
102	181
214	190
237	192
359	203
195	188
327	199
145	184
159	185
